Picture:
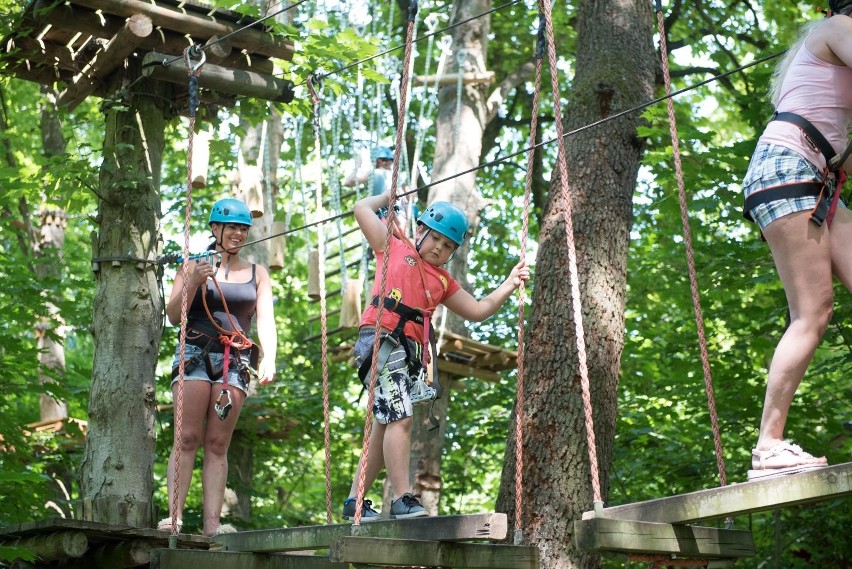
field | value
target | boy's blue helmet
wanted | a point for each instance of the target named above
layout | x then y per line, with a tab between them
230	210
446	219
382	153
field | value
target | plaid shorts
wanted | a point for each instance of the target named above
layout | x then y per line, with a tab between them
392	396
773	165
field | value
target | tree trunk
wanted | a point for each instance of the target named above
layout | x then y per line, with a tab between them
603	163
51	352
117	469
458	147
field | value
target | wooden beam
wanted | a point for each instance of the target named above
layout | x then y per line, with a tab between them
444	80
601	534
220	79
251	39
411	553
441	528
41	52
464	370
105	26
738	499
135	29
122	555
53	546
196	559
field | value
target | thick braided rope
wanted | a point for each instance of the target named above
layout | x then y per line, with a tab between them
400	131
690	257
193	72
544	7
326	413
519	405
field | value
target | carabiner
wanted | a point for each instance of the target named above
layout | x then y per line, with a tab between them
223	410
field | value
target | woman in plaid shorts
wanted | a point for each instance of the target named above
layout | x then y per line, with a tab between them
790	193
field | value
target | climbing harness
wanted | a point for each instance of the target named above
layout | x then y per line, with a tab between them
824	209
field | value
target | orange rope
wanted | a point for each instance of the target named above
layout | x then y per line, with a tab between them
522	298
544	7
193	73
326	412
687	241
401	122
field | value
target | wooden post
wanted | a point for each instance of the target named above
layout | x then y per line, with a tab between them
350	310
279	246
313	275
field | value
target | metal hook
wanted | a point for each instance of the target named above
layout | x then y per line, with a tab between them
223	410
194	51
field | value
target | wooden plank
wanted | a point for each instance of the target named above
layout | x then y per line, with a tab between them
602	534
379	551
105	26
444	80
738	499
195	559
220	79
122	44
53	546
252	39
492	527
97	531
465	370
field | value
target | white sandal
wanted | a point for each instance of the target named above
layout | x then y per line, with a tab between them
166	525
781	460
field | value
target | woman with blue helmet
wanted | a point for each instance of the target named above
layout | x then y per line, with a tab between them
416	284
211	406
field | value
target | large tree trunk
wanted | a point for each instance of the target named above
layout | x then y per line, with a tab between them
52	240
458	147
117	469
603	163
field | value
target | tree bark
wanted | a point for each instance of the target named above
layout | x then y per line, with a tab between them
458	147
117	468
51	352
614	71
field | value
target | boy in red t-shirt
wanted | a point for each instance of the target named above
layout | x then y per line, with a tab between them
415	285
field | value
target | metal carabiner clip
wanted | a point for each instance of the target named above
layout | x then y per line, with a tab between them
223	410
420	391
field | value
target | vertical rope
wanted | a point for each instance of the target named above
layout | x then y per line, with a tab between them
690	257
193	71
323	309
522	298
544	7
368	425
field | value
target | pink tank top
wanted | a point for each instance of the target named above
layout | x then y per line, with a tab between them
820	92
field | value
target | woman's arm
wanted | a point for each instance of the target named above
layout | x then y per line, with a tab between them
267	334
466	306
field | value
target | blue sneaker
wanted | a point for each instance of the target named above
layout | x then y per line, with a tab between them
408	506
368	514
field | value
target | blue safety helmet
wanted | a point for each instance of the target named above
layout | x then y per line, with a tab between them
382	153
446	219
230	210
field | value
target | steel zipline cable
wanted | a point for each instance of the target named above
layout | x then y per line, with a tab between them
174	258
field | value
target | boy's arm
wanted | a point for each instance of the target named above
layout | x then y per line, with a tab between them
373	228
466	306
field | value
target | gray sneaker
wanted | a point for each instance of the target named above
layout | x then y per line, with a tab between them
368	514
408	506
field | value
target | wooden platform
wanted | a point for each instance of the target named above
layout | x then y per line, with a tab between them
459	356
432	542
659	526
738	499
79	43
80	544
